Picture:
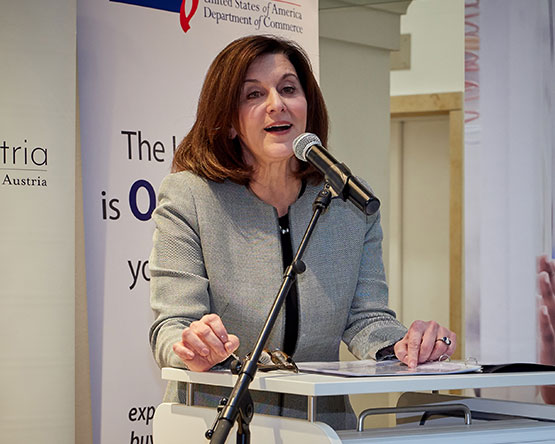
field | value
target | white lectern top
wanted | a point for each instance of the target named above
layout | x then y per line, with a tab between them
325	385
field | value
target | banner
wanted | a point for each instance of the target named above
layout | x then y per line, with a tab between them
37	227
509	142
141	64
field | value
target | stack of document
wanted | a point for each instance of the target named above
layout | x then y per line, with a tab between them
370	367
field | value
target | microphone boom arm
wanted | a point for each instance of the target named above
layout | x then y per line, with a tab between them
240	406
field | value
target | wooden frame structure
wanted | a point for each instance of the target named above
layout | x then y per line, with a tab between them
450	104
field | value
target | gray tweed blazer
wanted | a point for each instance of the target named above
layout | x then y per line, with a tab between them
217	250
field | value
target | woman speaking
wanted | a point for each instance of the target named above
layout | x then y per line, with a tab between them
229	219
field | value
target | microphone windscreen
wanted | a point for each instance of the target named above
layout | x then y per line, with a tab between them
302	144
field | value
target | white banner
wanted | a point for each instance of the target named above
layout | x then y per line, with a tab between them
509	138
37	223
141	66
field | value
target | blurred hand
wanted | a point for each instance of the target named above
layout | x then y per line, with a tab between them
205	343
546	319
423	343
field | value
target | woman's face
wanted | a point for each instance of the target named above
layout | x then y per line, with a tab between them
272	109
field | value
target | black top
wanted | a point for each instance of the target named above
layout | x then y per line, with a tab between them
292	299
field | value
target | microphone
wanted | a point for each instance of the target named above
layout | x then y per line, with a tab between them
308	148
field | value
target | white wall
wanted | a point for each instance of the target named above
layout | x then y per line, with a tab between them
437	48
358	103
354	73
355	45
37	243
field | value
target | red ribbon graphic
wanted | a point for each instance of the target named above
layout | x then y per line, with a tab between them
185	19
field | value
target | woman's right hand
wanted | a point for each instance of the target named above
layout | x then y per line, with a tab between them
205	343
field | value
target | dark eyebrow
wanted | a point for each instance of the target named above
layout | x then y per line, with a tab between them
286	75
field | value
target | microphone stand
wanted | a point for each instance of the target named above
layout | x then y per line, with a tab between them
240	406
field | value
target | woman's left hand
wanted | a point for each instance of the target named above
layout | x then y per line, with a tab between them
425	341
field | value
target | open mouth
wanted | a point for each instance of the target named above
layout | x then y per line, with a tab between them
276	128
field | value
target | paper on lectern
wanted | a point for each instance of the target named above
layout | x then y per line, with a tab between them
369	367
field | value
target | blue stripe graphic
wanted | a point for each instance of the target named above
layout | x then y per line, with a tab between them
165	5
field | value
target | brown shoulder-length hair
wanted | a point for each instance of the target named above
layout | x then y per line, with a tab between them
207	150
